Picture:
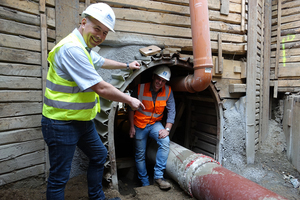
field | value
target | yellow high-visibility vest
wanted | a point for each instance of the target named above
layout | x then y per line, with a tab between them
63	99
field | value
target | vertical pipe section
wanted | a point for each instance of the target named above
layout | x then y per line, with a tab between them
204	178
201	78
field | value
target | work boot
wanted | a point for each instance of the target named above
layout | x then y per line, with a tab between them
163	184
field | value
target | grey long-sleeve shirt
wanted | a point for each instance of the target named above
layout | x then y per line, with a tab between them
171	111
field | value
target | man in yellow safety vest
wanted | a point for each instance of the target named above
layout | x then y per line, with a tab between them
71	101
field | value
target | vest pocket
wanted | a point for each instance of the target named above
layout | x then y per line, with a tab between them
160	107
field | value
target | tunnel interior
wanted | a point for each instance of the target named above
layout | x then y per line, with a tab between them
196	124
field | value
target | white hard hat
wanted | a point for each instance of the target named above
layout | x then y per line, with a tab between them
103	13
163	72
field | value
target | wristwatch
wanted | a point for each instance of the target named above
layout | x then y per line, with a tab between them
168	129
127	65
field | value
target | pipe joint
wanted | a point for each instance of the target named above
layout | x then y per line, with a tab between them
188	83
193	167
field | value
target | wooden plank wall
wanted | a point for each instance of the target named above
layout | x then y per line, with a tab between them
166	23
285	55
23	42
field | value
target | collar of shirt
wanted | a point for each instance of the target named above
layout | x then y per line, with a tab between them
78	34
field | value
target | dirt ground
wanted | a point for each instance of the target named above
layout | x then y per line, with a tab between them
269	170
272	168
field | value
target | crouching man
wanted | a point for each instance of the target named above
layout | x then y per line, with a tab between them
156	96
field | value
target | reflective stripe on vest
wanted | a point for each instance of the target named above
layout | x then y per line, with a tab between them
152	113
68	105
65	89
63	99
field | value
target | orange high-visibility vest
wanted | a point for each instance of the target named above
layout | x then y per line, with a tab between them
152	113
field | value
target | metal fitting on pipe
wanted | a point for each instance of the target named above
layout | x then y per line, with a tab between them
204	178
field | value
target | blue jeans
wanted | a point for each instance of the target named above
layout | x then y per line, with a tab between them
141	136
62	137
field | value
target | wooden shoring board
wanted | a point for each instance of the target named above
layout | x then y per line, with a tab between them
20	135
49	2
234	7
291	31
17	42
286	83
289	52
220	58
21	162
286	26
232	69
24	56
286	60
224	7
285	12
12	69
31	10
13	82
243	15
291	38
222	85
11	123
278	38
44	51
18	16
66	17
251	81
265	110
111	147
18	109
18	23
20	95
21	29
286	72
167	19
25	6
171	31
44	69
291	4
289	66
42	6
261	97
124	15
286	19
119	39
22	174
51	17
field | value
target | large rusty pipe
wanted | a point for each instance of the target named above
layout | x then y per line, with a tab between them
201	78
204	178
